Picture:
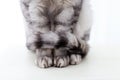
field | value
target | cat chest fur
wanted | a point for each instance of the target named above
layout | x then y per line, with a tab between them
55	12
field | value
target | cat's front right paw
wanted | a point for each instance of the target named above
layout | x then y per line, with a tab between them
44	62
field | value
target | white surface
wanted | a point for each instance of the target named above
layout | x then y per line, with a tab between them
102	63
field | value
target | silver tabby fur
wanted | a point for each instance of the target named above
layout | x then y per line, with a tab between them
57	30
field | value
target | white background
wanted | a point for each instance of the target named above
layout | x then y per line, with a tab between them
102	62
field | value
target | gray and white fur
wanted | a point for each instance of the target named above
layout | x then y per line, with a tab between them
57	30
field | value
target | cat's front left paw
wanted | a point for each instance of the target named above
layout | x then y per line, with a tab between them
44	62
61	61
61	58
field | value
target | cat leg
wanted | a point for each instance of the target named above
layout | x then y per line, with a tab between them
63	28
38	29
44	55
82	31
78	53
85	18
69	19
37	25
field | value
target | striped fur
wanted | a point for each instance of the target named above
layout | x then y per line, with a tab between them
54	26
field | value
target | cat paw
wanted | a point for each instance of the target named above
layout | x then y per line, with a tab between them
75	59
84	46
61	61
44	62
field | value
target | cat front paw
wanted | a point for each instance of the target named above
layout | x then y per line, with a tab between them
84	46
75	59
44	62
61	61
78	53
